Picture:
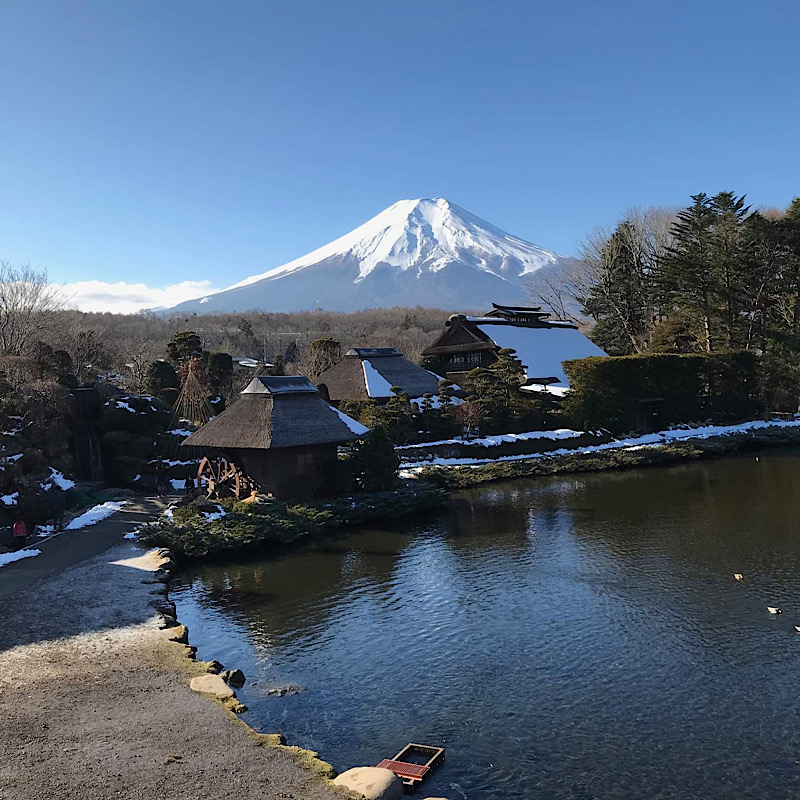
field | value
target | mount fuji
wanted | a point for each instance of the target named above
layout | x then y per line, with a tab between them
426	252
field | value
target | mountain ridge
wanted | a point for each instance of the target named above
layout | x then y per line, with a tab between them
426	252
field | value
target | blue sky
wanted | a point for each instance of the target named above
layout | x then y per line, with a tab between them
161	141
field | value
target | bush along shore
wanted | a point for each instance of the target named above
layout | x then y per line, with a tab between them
204	528
459	477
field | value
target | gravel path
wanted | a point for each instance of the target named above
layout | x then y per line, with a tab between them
95	702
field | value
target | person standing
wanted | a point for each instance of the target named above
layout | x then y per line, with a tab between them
162	486
19	531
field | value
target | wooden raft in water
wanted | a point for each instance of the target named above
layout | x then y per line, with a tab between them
409	772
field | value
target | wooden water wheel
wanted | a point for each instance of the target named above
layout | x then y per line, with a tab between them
222	478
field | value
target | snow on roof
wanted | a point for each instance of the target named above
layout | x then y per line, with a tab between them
553	388
377	385
354	425
542	350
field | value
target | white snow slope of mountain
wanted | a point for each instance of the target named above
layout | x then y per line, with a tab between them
425	252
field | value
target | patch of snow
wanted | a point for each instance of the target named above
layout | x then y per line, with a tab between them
131	534
355	426
121	404
15	457
181	432
633	443
8	558
178	483
168	512
96	514
137	478
210	516
542	350
377	385
45	530
172	463
59	480
10	499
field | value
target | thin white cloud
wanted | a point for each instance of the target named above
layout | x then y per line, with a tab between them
128	298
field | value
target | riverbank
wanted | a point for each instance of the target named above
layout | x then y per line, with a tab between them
650	450
95	697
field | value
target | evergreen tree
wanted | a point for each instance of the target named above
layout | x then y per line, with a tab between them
400	414
184	346
219	373
374	462
163	382
703	274
278	367
621	297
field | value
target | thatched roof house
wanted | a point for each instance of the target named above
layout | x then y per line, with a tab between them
279	435
369	373
541	343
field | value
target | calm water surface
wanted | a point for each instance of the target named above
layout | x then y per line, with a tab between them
572	637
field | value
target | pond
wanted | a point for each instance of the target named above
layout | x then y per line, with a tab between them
568	637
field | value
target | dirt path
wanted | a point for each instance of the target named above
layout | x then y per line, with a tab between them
94	697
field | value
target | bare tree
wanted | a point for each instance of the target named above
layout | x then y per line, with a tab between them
561	288
320	355
27	304
137	356
593	280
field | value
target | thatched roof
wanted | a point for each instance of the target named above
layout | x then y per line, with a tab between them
275	412
371	372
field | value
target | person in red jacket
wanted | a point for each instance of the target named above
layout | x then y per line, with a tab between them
20	533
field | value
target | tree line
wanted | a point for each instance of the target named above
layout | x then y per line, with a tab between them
710	277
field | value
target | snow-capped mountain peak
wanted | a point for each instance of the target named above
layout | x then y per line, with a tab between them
426	252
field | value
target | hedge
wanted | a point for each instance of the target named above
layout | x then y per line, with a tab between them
609	392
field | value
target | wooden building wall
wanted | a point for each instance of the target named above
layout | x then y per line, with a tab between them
289	473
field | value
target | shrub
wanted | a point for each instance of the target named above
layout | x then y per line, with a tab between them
374	462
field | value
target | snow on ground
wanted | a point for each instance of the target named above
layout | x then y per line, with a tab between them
178	484
377	385
634	443
172	462
59	480
542	350
210	516
10	499
355	427
181	432
45	530
493	441
96	514
8	558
